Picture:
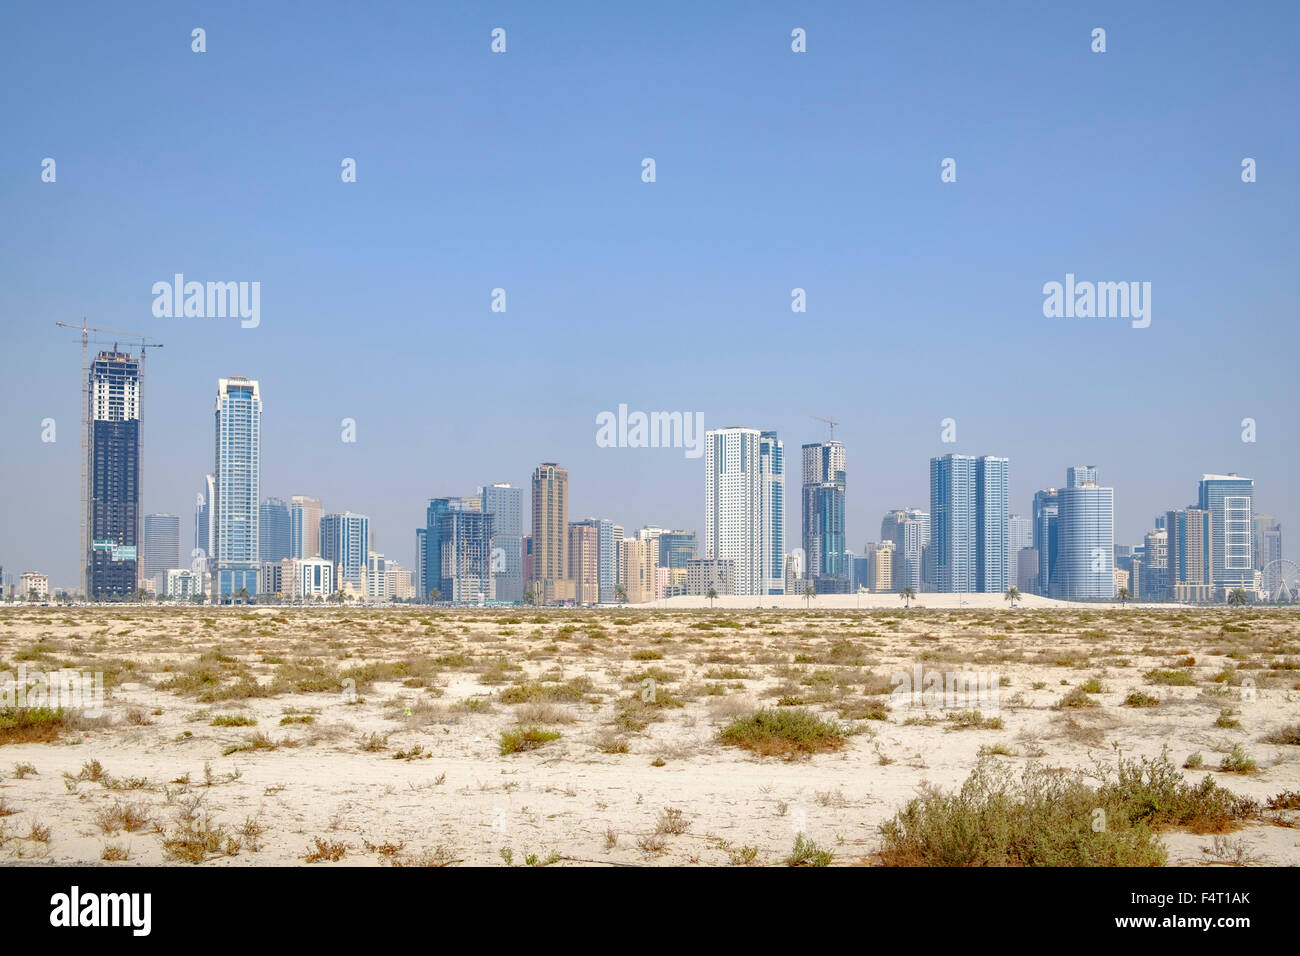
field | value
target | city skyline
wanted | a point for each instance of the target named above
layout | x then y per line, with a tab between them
685	282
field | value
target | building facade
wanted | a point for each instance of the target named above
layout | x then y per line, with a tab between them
345	543
969	508
824	544
274	535
1229	499
162	550
735	489
111	562
304	526
237	488
551	581
1085	559
504	503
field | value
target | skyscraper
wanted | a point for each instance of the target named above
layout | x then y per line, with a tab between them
1020	535
676	549
551	581
908	529
735	486
992	512
464	535
1268	541
1085	556
204	517
1047	507
345	543
112	476
968	523
584	560
1076	476
771	453
304	526
162	549
823	516
1229	500
504	503
1190	555
274	535
237	487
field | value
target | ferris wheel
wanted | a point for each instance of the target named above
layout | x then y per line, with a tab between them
1280	581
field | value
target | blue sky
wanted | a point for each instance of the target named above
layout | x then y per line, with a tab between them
774	171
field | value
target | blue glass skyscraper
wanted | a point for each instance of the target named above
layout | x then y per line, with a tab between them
237	486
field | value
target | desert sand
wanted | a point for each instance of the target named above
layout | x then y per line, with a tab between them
374	736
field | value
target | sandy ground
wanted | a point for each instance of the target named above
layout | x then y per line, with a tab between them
407	767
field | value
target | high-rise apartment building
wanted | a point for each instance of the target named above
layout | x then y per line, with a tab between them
304	526
345	543
111	562
771	456
640	565
162	549
1076	476
823	516
274	538
1085	557
676	549
1046	512
584	560
504	503
744	506
204	518
237	488
1268	541
551	580
1190	555
969	507
908	529
1229	500
1020	535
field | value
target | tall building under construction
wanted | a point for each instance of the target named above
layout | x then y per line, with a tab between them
112	476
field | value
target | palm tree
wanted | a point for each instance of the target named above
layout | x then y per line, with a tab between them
1237	596
1123	595
1013	594
711	595
621	593
435	595
907	594
242	595
809	592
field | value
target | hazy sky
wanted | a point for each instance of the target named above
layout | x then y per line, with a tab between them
775	170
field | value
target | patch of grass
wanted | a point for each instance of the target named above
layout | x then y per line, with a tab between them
1227	720
526	738
234	720
325	850
1075	699
808	853
122	816
784	733
1138	699
31	725
672	820
974	720
1287	736
1237	760
1181	677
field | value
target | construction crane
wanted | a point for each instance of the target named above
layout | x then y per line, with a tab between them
828	421
85	419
